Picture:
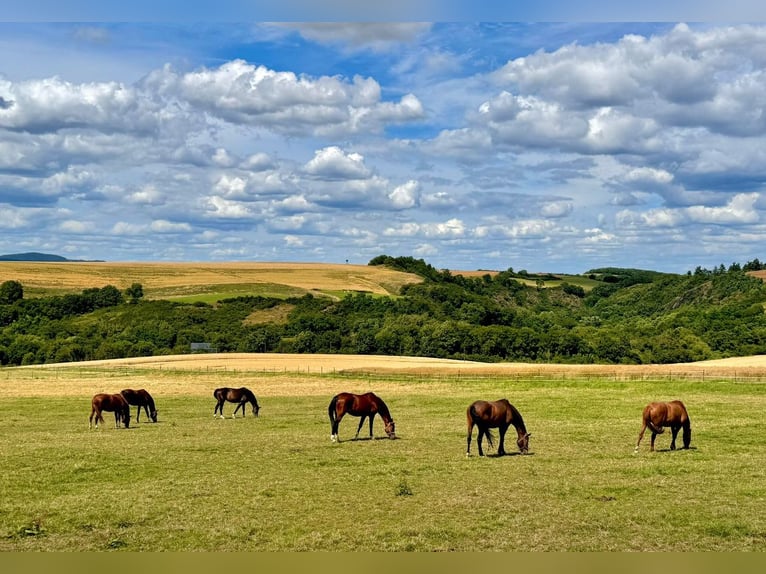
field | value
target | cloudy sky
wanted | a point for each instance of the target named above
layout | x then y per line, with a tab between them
547	147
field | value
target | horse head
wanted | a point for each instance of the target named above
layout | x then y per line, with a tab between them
153	414
126	417
523	443
390	428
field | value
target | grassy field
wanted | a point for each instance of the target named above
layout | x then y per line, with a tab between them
277	483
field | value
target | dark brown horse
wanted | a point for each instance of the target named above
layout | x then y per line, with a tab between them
366	406
141	398
500	415
242	396
106	402
658	415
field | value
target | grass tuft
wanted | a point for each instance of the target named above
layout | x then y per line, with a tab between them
403	488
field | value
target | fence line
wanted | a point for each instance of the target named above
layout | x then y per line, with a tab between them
525	374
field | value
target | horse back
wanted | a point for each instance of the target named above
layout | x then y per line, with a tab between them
495	413
677	412
666	413
108	402
132	396
357	405
488	412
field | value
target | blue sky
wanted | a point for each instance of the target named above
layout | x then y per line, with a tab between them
552	146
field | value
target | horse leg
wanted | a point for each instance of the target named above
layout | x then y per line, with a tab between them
687	436
654	436
336	423
117	419
90	418
468	438
501	448
478	441
372	417
361	423
674	430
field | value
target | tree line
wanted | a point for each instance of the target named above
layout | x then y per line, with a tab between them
631	316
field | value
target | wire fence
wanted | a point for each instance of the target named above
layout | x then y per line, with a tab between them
545	373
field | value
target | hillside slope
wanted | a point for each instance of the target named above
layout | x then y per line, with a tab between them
169	279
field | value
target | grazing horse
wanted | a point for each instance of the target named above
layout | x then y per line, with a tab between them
496	414
365	406
242	396
106	402
141	398
658	415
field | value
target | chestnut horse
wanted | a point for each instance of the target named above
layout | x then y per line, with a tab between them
366	406
498	414
658	415
106	402
141	398
241	396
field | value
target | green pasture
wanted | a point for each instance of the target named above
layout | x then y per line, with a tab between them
211	294
277	483
214	293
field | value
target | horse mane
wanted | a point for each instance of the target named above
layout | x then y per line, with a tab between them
382	407
518	419
150	400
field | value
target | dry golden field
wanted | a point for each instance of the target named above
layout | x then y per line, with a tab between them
272	373
178	279
327	363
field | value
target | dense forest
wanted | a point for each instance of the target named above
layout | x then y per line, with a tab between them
630	316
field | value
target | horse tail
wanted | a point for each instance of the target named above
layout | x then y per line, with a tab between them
472	413
654	429
474	417
331	408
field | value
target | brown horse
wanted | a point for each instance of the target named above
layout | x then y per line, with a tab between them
141	398
658	415
106	402
498	414
365	406
242	396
